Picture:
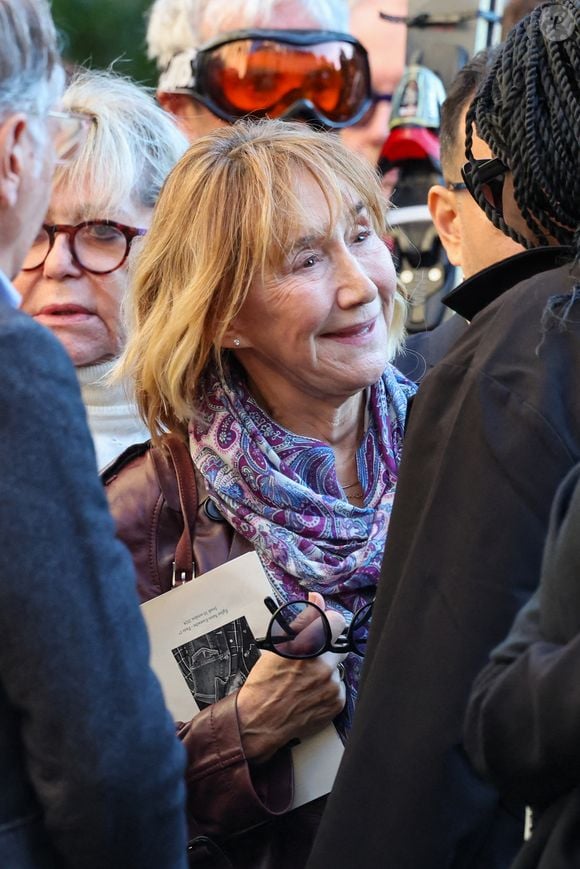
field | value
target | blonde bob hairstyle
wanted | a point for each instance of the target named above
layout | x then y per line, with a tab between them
225	218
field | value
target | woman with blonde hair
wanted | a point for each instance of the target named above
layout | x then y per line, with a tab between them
264	313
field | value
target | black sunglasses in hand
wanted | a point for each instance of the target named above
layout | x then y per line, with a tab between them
301	629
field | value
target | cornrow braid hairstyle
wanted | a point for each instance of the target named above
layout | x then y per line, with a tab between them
527	110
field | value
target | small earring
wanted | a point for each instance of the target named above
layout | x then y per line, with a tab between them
236	342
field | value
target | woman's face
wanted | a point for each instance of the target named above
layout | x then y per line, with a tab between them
319	325
80	308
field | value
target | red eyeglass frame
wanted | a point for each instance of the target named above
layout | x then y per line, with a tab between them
52	230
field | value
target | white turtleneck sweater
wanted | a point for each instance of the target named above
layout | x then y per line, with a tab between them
113	419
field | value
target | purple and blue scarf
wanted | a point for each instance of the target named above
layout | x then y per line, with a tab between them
279	490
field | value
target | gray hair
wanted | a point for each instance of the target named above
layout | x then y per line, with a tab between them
178	25
131	147
31	76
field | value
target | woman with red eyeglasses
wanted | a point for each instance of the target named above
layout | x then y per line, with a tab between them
75	275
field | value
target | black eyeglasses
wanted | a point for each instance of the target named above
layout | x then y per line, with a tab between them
300	629
455	186
487	176
97	246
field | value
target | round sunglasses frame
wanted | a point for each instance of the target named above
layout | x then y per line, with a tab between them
344	643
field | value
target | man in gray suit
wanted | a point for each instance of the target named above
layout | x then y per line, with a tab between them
90	769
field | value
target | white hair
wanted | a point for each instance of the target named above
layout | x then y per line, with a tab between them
31	77
176	26
131	147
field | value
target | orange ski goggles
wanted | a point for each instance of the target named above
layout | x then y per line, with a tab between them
321	76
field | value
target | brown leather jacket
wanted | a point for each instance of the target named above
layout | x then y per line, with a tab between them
238	813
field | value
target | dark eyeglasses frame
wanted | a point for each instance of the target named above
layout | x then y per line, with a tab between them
52	230
343	643
489	173
456	186
286	37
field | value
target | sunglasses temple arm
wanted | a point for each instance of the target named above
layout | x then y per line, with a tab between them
271	605
271	642
277	617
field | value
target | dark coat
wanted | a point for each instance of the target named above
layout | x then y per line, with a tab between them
493	430
90	769
423	350
522	723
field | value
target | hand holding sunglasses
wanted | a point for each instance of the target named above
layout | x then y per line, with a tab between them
301	629
286	698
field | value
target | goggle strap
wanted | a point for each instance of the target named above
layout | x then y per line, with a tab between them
284	37
179	74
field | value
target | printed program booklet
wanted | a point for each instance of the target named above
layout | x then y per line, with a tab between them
202	648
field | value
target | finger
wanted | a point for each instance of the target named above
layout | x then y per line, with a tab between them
333	658
309	640
337	623
341	691
316	598
304	618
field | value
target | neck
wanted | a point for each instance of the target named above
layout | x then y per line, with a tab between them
337	421
97	388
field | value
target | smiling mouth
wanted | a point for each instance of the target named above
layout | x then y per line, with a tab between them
361	330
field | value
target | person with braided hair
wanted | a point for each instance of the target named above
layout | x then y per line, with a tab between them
493	430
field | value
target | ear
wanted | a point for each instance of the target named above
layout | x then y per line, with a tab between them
233	338
181	106
186	111
12	141
177	104
444	214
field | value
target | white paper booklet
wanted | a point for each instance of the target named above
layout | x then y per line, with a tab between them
202	649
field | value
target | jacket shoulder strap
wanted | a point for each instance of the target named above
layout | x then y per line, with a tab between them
178	460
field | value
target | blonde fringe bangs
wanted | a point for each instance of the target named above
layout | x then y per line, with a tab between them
224	219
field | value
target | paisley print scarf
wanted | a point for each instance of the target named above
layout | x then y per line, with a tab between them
279	490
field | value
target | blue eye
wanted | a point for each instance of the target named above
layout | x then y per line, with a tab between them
362	235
